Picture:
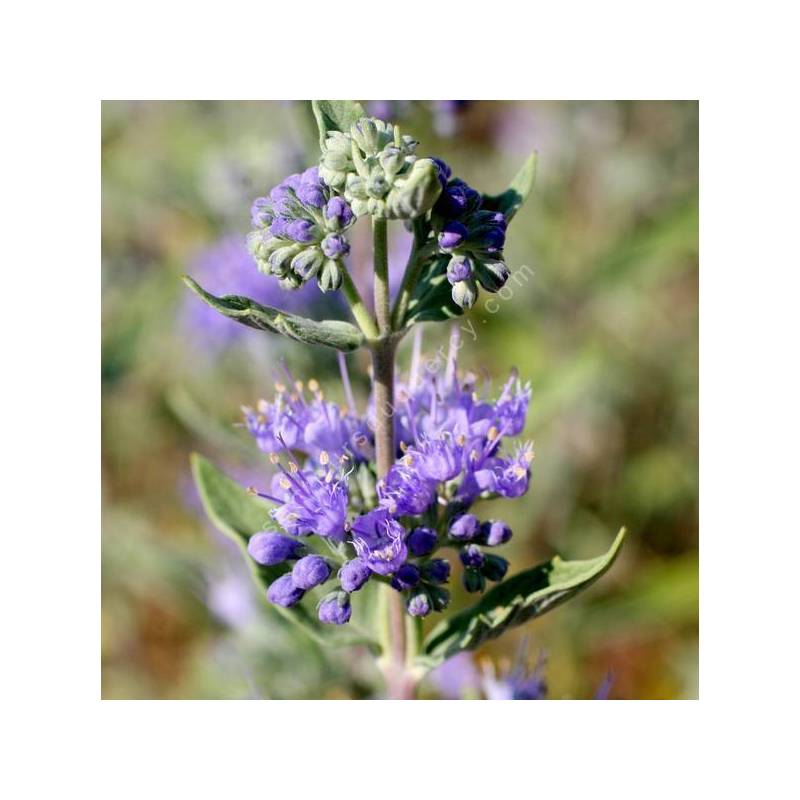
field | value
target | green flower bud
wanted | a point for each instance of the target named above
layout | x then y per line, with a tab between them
371	135
280	259
308	262
330	276
414	193
465	293
473	581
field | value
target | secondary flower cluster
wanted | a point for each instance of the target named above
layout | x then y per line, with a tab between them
378	171
473	237
449	454
298	232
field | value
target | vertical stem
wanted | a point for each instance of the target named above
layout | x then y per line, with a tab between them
399	685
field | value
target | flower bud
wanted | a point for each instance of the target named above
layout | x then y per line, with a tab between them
261	212
415	193
406	577
419	604
473	581
453	234
471	556
492	275
334	608
459	269
494	532
330	276
422	541
440	598
464	527
465	293
283	592
308	262
270	548
436	570
494	567
335	245
338	214
311	571
354	574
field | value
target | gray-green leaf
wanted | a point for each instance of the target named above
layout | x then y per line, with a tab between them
239	514
335	115
513	602
511	200
331	333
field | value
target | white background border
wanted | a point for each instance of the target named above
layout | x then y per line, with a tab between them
60	59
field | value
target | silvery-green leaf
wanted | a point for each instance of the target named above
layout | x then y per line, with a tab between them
239	514
511	200
331	333
335	115
513	602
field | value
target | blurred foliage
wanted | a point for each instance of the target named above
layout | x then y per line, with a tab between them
603	324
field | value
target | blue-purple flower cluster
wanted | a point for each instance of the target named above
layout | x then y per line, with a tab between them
472	236
298	232
449	453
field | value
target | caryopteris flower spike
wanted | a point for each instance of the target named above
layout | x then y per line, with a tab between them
378	503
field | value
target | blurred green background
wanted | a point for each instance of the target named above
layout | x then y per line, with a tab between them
605	330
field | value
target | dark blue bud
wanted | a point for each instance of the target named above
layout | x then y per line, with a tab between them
407	577
495	532
436	571
452	235
471	556
269	548
283	592
419	604
492	275
473	581
311	571
354	574
335	608
464	528
422	541
494	567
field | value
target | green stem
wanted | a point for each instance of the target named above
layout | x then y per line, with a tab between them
357	307
400	684
410	276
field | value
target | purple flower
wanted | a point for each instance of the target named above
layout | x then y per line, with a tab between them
335	609
437	570
314	505
311	571
338	213
422	541
494	532
354	574
283	592
270	548
335	245
472	556
457	677
404	492
378	540
406	577
464	527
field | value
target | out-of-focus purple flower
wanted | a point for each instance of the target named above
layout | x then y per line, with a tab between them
354	574
457	677
311	571
379	541
518	684
226	267
284	592
269	548
230	599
